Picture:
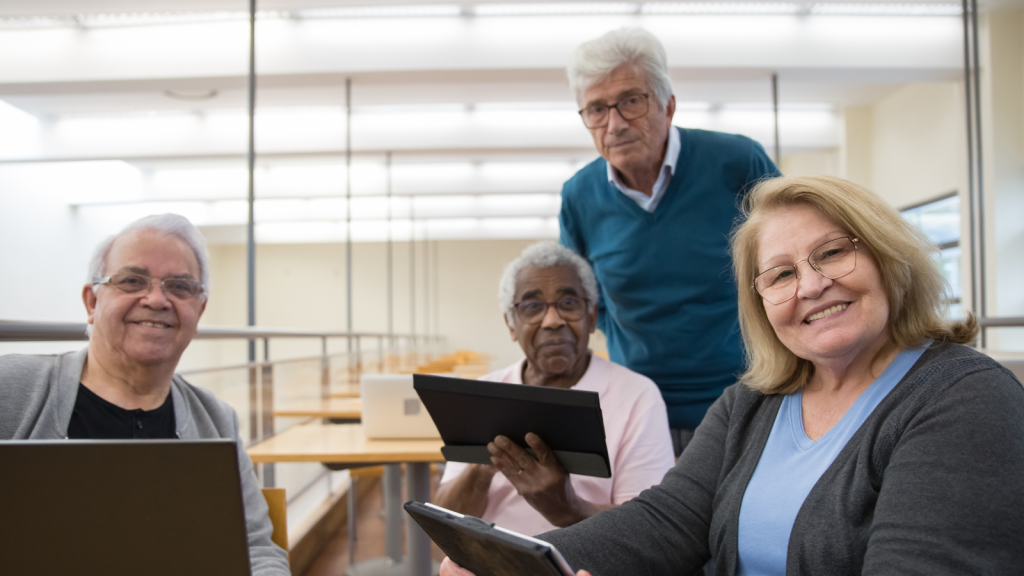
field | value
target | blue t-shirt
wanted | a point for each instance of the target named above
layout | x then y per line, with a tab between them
791	465
667	296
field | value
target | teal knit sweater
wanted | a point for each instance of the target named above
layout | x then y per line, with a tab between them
668	298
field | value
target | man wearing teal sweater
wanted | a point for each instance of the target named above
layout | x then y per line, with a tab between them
653	217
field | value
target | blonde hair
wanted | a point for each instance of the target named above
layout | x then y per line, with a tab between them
913	285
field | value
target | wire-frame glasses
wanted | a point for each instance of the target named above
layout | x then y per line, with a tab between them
833	259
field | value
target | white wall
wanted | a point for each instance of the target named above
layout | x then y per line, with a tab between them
918	143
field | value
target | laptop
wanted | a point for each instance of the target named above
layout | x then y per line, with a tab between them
392	410
154	507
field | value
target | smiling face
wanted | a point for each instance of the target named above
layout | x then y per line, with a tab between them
828	321
630	145
144	329
554	347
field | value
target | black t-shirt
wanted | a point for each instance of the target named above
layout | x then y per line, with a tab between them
96	419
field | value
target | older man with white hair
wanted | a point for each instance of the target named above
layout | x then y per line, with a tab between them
145	293
653	215
549	299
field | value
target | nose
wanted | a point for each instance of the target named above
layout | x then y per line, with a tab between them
810	284
616	123
551	318
155	297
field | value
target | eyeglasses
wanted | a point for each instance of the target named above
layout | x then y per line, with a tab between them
180	288
569	308
833	259
629	107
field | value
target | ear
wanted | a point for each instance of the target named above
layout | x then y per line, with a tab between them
89	299
670	107
511	329
593	320
202	309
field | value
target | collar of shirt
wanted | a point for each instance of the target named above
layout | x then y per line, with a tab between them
668	169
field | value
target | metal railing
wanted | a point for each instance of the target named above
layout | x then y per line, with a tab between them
261	373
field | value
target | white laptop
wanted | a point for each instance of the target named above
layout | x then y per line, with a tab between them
392	409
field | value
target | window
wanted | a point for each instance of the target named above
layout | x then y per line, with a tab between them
940	221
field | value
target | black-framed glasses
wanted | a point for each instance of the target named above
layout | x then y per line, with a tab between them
833	259
629	107
129	283
569	308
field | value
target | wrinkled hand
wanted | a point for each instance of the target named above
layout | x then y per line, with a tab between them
449	568
542	481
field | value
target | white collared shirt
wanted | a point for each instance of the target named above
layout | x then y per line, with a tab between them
668	169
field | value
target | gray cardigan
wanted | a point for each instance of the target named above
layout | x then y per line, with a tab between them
37	395
932	483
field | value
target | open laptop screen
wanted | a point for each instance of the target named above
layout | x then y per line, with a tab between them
155	507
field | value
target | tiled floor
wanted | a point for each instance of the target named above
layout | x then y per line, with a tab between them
334	558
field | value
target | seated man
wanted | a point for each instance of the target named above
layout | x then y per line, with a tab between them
145	293
549	296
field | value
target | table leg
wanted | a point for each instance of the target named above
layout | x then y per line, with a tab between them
418	558
393	513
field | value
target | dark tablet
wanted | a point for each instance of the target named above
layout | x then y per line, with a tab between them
485	549
471	413
154	507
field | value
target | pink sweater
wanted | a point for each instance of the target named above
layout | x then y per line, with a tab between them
639	447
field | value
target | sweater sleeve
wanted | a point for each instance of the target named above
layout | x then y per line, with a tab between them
265	557
761	167
571	236
664	531
951	496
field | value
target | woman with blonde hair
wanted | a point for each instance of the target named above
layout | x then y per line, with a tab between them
863	438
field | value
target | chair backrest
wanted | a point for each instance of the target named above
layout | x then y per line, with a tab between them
278	504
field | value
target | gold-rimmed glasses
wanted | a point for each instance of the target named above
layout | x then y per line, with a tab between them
833	259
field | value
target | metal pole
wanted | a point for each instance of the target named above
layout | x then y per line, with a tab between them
426	277
980	172
412	266
348	208
391	287
437	288
775	110
251	225
968	95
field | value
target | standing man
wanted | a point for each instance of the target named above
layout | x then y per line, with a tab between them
653	217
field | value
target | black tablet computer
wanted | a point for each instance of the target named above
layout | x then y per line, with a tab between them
485	549
471	413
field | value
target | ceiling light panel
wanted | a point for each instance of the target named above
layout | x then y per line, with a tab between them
721	8
555	8
413	11
886	9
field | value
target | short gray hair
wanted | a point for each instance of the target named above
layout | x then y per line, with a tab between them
543	255
167	225
594	60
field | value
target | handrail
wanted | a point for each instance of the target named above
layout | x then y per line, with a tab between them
18	331
1004	322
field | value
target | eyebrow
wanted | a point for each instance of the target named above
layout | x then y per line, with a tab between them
145	272
563	291
620	96
821	239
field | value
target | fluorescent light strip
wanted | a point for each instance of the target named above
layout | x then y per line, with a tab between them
887	9
414	11
721	8
554	8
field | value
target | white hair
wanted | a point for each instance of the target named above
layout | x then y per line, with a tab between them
164	224
543	255
594	60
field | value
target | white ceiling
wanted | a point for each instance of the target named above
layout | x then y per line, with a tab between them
421	89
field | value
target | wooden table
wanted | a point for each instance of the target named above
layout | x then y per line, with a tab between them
336	408
342	446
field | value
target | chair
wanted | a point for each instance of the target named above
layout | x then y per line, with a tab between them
278	504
